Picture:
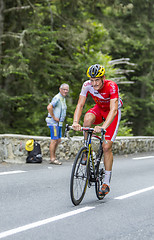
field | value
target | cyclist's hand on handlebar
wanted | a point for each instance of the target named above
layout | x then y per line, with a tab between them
97	129
76	126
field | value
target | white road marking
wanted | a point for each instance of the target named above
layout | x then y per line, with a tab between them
42	222
11	172
137	158
50	167
135	193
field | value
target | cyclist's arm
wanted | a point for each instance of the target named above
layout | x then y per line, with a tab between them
78	112
112	113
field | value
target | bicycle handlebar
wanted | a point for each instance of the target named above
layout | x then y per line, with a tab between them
82	128
67	128
86	129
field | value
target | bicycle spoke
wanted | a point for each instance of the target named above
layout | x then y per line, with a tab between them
79	178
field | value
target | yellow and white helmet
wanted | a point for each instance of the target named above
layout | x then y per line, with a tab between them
95	71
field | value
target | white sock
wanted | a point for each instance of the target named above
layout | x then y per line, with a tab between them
107	177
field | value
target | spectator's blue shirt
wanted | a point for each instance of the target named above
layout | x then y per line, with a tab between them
59	110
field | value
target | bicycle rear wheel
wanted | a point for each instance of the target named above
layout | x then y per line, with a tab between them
99	179
79	177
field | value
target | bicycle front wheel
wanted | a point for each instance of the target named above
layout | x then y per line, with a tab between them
79	177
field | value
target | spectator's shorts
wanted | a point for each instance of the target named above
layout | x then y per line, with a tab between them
112	130
55	132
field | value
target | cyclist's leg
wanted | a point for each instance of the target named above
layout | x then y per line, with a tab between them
93	116
110	135
89	119
108	155
108	162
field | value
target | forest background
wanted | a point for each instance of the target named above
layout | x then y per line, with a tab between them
46	43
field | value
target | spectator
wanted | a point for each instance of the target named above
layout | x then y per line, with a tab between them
56	116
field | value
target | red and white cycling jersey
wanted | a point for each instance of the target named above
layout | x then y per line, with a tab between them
102	97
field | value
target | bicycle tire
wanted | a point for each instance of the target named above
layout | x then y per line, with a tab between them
99	180
79	178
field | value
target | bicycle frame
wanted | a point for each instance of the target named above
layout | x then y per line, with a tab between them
89	147
84	170
90	160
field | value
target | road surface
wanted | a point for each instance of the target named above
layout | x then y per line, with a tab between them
35	203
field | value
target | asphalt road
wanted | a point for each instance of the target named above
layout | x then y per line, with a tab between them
35	203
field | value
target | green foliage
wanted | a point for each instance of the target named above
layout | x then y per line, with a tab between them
46	43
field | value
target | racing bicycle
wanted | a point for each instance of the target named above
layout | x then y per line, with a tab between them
88	169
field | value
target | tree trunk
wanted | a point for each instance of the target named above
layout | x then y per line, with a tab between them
1	26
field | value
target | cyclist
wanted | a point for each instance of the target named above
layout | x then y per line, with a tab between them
108	106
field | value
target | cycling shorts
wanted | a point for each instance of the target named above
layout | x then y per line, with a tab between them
112	130
55	132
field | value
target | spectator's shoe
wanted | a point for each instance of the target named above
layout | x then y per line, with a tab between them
84	159
56	162
104	190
